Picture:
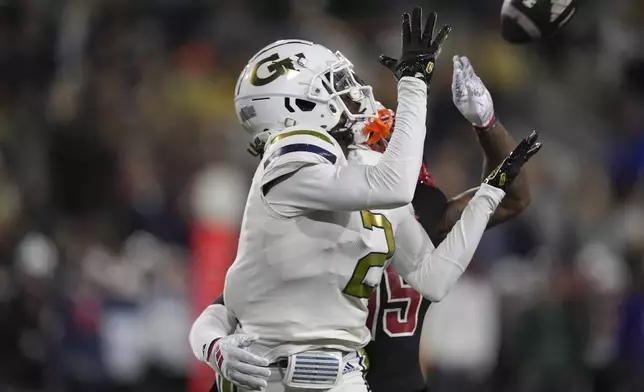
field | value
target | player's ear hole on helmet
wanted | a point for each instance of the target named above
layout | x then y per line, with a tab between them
304	105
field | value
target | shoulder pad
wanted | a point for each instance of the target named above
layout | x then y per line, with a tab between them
294	148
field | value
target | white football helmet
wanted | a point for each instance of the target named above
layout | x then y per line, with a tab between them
293	82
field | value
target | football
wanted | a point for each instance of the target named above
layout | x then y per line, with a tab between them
525	21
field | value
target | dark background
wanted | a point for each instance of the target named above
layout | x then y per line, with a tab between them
110	109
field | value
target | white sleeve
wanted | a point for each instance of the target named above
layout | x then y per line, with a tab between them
213	323
433	271
388	184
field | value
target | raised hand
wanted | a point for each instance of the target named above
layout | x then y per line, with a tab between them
470	95
509	169
419	48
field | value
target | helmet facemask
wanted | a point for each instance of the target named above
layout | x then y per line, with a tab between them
345	92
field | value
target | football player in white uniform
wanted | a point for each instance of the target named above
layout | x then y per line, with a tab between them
317	232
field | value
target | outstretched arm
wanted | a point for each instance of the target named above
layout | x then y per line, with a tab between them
433	271
496	143
474	101
291	187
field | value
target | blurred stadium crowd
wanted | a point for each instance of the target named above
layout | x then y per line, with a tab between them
118	137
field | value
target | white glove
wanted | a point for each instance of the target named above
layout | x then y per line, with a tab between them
470	94
231	359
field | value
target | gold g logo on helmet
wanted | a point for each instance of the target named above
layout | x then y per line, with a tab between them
276	68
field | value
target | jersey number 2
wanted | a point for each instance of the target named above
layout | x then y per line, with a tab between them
357	286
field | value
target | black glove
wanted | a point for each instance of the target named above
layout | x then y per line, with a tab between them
419	52
509	169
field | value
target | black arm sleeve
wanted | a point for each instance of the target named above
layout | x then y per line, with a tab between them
429	205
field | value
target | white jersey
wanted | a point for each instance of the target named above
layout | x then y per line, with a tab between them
301	280
317	233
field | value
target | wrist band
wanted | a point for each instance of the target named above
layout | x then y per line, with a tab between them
208	352
492	124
